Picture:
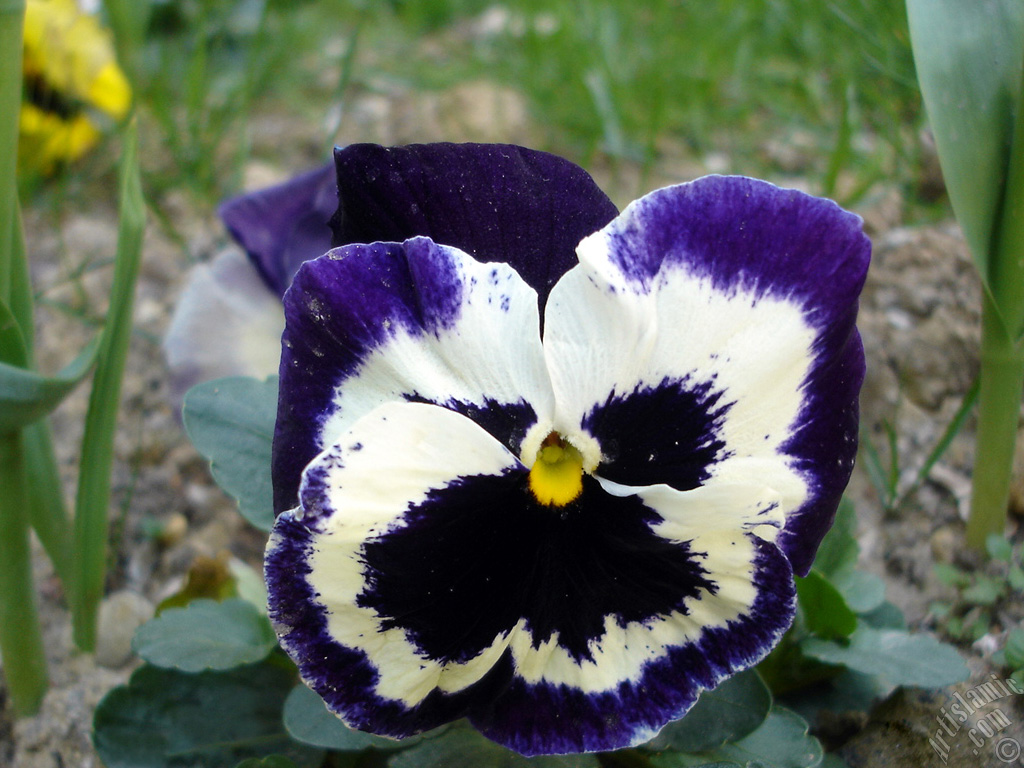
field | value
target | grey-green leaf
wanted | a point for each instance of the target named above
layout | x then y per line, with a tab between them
898	657
270	761
169	719
308	720
781	742
864	592
231	422
27	396
728	713
465	748
206	635
968	58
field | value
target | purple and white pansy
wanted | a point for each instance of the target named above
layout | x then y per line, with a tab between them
541	464
547	467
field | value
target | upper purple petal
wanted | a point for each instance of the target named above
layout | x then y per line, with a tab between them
282	226
497	202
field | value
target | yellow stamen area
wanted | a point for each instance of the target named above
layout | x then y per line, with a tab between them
556	477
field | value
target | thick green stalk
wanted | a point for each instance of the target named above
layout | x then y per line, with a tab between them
47	512
93	496
21	643
1002	379
12	15
1002	354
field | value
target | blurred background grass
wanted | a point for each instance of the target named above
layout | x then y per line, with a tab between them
823	92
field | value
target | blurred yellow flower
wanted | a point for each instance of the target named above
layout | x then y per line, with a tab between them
72	85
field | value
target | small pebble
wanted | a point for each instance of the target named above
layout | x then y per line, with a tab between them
174	530
944	543
121	613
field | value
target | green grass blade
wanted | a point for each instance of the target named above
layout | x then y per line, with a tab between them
968	57
128	19
21	287
12	13
876	472
93	496
20	639
951	431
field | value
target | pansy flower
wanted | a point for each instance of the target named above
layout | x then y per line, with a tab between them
73	86
550	467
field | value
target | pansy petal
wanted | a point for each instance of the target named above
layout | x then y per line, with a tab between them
282	226
709	332
369	324
226	323
663	665
497	202
370	651
418	583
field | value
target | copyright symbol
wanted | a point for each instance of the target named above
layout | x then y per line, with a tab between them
1007	750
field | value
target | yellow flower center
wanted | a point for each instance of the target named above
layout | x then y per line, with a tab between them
556	477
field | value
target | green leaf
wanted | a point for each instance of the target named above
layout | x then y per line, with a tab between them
1016	577
999	547
864	592
968	58
950	575
825	612
206	635
729	712
26	396
848	691
1014	650
270	761
465	748
832	760
898	657
885	616
308	720
12	344
839	550
231	423
984	591
782	741
170	719
683	760
249	585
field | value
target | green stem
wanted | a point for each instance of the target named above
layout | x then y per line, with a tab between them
21	642
47	513
1002	379
1002	355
